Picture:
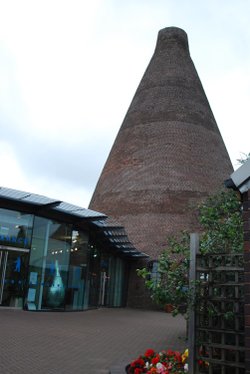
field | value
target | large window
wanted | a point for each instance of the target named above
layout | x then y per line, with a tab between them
112	281
54	266
49	262
116	282
153	267
64	270
94	276
78	284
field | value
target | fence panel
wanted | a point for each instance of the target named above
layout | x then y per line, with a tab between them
219	314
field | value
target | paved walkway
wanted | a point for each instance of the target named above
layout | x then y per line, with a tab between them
91	342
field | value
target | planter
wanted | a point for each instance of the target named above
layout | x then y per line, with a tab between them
127	369
168	308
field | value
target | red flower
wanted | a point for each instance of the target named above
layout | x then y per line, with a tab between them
171	362
149	353
170	352
155	360
133	364
138	371
139	362
153	370
178	357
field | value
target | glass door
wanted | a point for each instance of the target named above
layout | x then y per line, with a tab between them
13	271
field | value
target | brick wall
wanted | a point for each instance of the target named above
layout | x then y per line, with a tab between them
138	294
168	155
246	222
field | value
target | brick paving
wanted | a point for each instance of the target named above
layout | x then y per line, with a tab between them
97	341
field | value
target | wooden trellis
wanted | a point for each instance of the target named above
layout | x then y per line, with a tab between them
219	314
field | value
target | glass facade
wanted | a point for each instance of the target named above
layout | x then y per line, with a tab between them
15	228
78	284
50	265
112	281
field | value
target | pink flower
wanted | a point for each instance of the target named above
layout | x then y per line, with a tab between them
164	362
161	369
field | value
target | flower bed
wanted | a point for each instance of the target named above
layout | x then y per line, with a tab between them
164	362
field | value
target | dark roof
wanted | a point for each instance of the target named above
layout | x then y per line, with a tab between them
113	234
117	239
241	177
27	198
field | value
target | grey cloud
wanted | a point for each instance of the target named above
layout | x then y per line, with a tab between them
75	164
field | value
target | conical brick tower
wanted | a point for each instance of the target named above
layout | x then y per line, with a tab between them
168	154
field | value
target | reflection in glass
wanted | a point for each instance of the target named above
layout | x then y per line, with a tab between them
49	261
15	228
94	277
116	282
13	265
66	272
77	297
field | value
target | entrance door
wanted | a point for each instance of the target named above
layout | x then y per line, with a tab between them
13	272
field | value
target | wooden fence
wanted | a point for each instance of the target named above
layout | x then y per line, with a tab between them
216	325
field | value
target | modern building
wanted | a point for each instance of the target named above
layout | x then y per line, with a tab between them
58	256
167	157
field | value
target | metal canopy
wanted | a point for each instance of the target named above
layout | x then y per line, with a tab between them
117	239
78	211
114	235
47	203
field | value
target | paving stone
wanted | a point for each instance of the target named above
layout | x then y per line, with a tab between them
100	341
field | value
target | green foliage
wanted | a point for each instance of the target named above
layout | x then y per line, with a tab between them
221	222
171	287
244	158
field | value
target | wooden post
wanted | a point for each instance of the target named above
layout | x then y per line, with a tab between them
194	248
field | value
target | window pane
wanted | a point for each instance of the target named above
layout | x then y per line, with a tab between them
15	228
49	261
76	295
112	281
93	282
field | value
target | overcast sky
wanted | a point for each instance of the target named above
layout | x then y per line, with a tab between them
69	70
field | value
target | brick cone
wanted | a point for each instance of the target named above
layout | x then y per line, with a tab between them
168	154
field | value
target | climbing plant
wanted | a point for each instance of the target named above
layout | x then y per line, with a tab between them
220	217
221	231
171	286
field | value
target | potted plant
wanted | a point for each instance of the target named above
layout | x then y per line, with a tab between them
164	362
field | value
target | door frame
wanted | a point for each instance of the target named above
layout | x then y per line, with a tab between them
4	252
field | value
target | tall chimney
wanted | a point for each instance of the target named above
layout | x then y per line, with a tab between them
168	154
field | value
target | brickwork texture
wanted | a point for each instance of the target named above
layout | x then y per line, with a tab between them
168	154
246	223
